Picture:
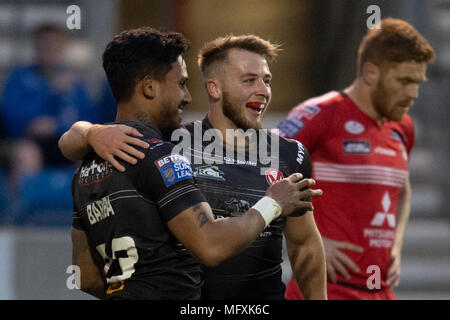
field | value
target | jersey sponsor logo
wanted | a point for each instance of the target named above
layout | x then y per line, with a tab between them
99	210
174	168
209	172
358	147
94	172
273	175
354	127
380	218
379	236
385	151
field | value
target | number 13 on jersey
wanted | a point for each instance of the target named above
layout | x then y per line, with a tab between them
119	246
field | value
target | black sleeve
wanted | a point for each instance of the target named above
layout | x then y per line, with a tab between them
166	179
299	162
76	217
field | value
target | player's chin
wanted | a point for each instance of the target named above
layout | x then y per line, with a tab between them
397	116
253	123
172	122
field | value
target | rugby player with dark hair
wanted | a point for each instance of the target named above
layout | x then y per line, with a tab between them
149	226
237	78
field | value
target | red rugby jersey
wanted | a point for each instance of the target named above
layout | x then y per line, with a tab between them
361	167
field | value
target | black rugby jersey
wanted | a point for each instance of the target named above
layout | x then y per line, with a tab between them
232	186
125	217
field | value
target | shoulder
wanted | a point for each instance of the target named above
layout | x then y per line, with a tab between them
321	104
315	110
147	130
293	149
157	146
404	130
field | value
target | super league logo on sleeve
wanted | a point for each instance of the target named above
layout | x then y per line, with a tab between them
174	168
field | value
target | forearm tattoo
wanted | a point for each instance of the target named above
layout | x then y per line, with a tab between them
202	217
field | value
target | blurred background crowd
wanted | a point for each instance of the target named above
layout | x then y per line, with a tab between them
51	76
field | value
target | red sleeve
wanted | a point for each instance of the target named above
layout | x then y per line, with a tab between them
306	123
407	127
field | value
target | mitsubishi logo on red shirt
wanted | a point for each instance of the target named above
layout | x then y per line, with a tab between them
380	217
273	175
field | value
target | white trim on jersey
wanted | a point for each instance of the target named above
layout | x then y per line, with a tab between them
371	174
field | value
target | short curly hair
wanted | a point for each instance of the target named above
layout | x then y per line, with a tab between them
136	53
395	42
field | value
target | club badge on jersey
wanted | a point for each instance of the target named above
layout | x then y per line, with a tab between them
273	175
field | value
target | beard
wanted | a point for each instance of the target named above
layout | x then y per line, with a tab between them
169	118
166	121
236	115
379	99
381	102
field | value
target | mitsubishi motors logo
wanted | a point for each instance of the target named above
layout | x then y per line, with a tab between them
380	217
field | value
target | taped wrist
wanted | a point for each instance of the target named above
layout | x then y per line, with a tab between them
268	208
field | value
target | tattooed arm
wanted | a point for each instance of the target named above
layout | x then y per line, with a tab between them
214	240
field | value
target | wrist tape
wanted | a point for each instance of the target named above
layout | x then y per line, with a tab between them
268	208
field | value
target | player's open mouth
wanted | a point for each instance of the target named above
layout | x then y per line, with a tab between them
257	106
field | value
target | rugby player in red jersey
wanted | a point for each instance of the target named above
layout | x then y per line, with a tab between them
359	141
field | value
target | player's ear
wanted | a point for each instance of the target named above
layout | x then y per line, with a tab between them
370	73
149	87
214	89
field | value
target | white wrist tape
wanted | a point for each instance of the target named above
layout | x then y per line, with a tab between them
268	208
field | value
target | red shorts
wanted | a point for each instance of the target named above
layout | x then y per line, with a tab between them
342	292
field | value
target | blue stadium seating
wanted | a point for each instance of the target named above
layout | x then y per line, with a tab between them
45	199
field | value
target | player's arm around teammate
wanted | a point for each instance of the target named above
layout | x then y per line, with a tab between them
195	227
114	140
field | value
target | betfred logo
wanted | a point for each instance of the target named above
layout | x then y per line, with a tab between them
273	175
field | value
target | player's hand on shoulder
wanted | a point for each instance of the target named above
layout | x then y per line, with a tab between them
293	193
116	141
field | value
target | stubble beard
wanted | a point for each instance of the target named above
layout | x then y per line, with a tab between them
232	112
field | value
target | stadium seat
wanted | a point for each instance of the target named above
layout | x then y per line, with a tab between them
45	199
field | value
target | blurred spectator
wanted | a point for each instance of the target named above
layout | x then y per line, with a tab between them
41	101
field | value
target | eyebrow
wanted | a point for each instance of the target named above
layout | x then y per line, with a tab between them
256	75
415	80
